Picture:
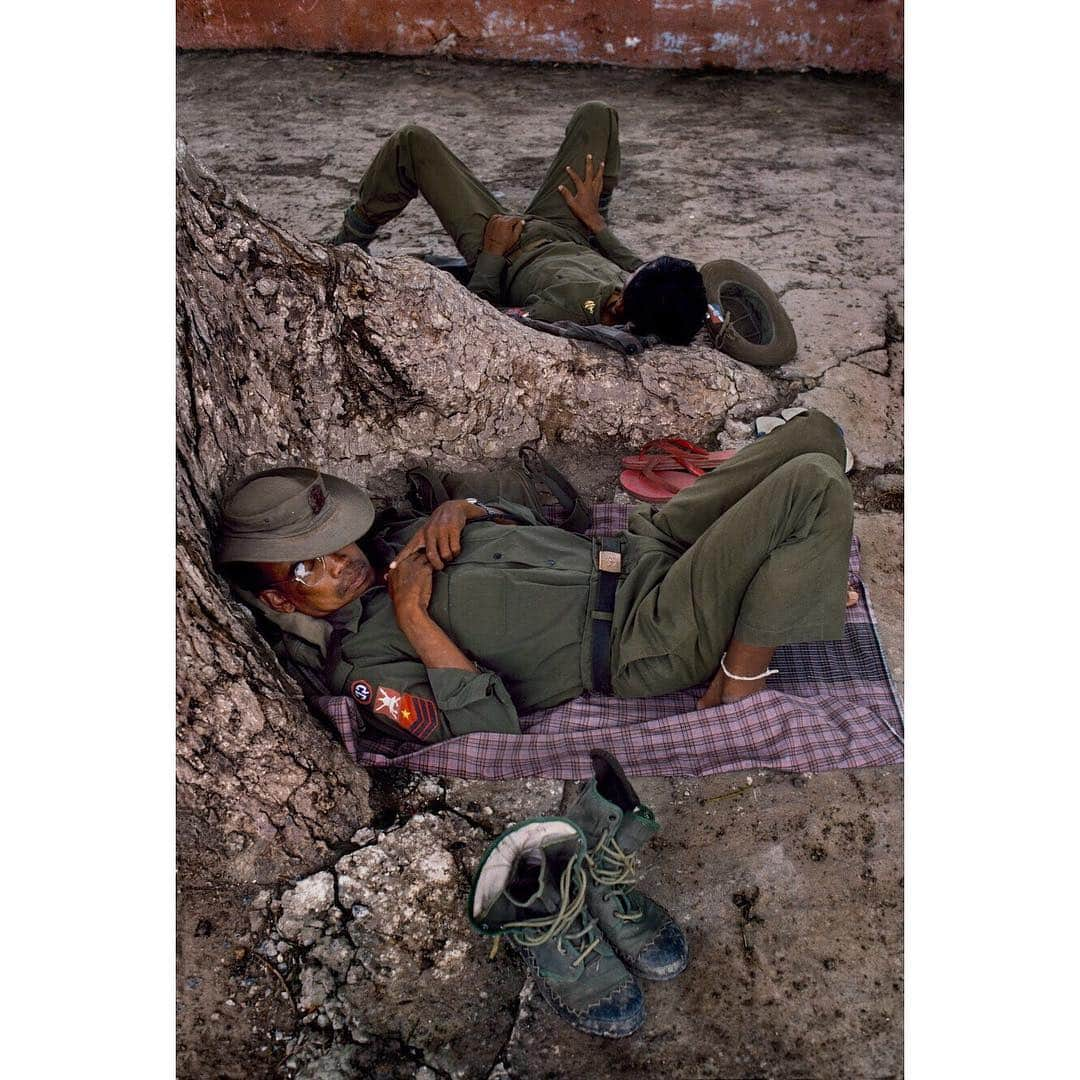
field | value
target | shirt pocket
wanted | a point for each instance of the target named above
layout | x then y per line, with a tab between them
476	609
516	623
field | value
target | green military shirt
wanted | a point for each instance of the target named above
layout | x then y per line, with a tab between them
518	601
755	549
553	273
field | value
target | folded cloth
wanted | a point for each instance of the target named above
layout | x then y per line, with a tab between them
832	706
618	338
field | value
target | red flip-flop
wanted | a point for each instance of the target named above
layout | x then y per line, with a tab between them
675	453
661	478
654	487
664	467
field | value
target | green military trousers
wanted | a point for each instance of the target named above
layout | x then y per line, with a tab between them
756	550
415	161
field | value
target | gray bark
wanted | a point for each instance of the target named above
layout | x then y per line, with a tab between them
290	352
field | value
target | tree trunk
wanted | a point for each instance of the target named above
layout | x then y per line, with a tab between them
290	352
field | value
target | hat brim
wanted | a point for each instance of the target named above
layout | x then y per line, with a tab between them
737	289
351	517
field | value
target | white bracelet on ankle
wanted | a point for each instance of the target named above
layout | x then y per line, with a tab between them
745	678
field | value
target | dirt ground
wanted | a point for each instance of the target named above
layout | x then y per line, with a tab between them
799	176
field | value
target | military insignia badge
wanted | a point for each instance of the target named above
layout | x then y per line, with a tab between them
418	716
360	689
590	306
387	703
316	498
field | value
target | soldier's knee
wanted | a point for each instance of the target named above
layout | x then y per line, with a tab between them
593	112
414	133
823	473
824	423
816	469
824	434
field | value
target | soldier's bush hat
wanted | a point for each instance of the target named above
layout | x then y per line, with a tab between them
282	515
756	328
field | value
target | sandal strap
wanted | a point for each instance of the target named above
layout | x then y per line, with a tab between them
674	440
679	450
650	473
637	462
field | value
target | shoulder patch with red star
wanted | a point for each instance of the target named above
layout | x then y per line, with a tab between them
417	715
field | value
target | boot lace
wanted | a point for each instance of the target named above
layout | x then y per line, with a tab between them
533	932
616	870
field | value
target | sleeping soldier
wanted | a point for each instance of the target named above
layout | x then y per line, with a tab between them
458	622
558	261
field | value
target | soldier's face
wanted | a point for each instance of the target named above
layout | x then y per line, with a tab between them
614	311
319	586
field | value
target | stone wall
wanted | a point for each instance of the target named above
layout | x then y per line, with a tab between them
836	35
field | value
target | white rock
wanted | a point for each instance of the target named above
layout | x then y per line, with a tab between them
304	907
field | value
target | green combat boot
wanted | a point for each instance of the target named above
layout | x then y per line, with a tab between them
616	825
531	889
354	230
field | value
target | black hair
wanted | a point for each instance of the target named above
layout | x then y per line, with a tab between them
249	576
666	297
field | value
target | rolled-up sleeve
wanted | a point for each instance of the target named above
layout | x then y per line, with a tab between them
473	701
486	280
408	701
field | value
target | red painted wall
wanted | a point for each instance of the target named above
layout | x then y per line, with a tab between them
837	35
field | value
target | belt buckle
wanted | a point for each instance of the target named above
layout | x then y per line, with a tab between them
610	562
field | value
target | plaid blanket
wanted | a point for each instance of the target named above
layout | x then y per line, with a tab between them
833	706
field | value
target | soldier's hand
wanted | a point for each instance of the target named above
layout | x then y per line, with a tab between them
409	582
585	202
501	233
439	538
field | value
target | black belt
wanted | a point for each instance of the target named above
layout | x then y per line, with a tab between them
609	560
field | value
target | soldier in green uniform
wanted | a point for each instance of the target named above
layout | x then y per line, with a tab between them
458	622
559	261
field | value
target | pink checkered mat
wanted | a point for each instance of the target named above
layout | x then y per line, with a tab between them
832	706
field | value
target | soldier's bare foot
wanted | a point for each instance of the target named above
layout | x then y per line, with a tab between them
748	661
711	696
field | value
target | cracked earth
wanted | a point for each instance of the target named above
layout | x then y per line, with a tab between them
789	887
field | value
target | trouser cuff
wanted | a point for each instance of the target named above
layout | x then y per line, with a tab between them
357	225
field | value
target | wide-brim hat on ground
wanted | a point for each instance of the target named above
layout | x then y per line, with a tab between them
756	329
283	515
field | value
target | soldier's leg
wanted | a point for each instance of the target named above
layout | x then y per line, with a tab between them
771	570
683	518
416	161
593	129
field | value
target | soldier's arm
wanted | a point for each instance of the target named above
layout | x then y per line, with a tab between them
433	645
439	693
468	699
486	280
611	247
406	700
439	536
501	233
584	204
